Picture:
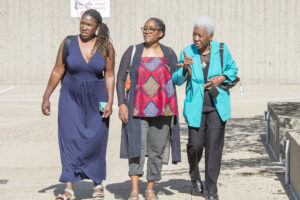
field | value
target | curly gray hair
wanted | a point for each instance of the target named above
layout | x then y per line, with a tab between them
207	22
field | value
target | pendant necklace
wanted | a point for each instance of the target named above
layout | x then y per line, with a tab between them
204	60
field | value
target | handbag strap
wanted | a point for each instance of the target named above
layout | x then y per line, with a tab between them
130	64
221	49
126	88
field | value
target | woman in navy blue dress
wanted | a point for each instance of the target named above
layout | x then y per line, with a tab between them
87	80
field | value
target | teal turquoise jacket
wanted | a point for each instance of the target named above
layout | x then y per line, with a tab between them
193	102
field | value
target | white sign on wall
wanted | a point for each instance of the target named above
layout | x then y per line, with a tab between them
79	6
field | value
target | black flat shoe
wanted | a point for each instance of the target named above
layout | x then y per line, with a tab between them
212	196
197	188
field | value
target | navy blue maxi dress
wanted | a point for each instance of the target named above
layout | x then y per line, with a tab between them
83	133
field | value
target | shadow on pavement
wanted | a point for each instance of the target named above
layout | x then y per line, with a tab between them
82	189
122	190
246	135
281	178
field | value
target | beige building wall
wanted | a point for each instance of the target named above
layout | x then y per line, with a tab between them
263	35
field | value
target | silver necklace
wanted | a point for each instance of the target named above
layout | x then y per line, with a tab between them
203	57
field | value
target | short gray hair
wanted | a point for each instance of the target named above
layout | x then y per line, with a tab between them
207	22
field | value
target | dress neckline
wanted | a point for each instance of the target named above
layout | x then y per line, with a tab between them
86	62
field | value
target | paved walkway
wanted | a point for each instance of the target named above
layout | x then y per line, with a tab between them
29	157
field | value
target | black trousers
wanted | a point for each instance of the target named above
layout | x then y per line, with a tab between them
210	135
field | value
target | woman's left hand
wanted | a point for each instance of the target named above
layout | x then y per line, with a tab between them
216	80
107	111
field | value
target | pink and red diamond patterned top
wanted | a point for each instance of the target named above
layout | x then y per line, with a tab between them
155	93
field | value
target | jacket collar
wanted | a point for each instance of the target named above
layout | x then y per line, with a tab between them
214	47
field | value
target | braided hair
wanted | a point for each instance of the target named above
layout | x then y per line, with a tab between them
103	37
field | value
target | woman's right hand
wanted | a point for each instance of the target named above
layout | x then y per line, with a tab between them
123	113
187	61
46	107
55	77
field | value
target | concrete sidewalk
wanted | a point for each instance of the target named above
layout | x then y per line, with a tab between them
30	162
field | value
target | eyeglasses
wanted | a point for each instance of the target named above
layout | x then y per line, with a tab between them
150	29
195	35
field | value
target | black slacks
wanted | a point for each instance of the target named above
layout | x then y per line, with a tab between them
210	135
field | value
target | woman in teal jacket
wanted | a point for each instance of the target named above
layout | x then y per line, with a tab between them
207	105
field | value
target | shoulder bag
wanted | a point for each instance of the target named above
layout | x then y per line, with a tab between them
226	86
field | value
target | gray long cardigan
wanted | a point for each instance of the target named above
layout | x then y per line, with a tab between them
131	132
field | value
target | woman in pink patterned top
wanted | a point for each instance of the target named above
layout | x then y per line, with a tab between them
155	93
149	113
